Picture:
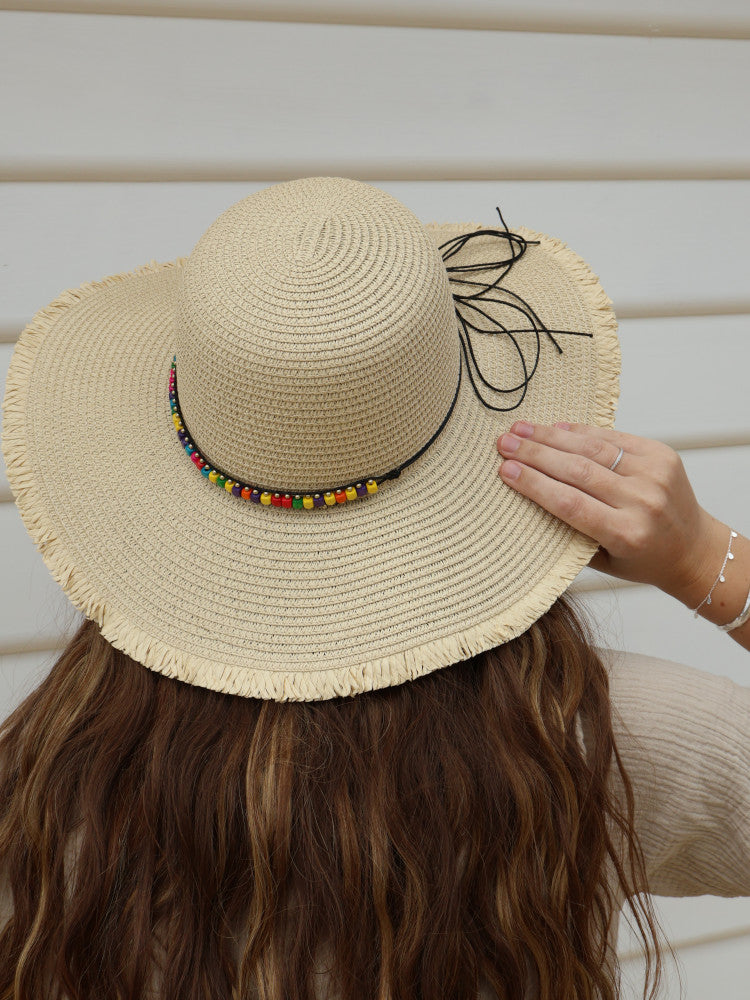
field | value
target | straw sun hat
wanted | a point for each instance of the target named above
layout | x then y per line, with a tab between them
269	468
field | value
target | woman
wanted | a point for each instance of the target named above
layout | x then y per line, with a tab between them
374	753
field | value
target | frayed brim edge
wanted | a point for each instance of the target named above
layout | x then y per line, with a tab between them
322	684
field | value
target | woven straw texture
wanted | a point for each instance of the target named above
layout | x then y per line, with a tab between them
317	345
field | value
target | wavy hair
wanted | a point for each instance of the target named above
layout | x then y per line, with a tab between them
410	843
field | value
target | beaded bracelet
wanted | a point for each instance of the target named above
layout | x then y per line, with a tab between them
267	498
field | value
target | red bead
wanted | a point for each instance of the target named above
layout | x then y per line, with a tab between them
286	500
340	496
276	499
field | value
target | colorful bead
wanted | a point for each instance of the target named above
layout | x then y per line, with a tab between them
295	501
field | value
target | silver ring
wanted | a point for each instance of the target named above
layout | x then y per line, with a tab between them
616	462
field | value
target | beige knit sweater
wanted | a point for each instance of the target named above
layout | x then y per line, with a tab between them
685	738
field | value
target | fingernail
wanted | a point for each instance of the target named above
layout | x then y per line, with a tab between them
523	429
509	443
510	470
563	426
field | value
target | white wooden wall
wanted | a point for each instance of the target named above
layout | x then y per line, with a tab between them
619	126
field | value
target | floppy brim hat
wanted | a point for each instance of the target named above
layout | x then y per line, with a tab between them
313	341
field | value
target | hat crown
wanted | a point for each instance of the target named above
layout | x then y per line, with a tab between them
316	337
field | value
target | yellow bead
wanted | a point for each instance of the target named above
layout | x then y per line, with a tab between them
228	485
213	475
329	498
265	498
307	501
351	493
372	486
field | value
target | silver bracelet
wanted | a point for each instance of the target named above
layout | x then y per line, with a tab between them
720	577
741	618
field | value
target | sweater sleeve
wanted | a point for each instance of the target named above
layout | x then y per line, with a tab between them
684	738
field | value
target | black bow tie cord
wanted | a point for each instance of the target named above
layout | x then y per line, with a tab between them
513	247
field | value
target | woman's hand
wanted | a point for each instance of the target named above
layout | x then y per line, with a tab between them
643	514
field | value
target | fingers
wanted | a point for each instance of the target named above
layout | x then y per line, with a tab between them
643	513
567	471
580	510
572	468
630	443
597	448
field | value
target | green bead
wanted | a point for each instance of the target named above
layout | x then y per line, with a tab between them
297	502
221	481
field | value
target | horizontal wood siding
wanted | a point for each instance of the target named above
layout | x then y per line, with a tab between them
168	98
723	19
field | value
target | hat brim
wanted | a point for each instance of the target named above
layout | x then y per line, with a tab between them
440	564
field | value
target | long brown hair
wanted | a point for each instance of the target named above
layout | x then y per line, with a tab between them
409	842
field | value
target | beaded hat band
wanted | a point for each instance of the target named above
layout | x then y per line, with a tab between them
514	246
324	341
